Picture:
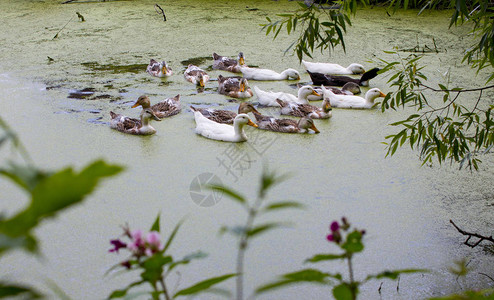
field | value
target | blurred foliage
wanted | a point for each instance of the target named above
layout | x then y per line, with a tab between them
49	193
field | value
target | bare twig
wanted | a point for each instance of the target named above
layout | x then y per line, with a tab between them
161	12
56	35
492	279
474	235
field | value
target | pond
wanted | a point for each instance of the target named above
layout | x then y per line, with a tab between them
57	94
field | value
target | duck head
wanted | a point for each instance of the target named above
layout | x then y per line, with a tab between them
356	68
246	107
142	101
241	60
307	123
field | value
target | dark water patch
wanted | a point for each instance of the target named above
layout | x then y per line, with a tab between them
81	94
196	60
98	121
118	69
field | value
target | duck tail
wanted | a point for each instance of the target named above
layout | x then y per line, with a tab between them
193	108
113	115
281	102
369	75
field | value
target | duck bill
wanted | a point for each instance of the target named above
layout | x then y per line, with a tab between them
313	127
164	70
382	95
242	87
316	93
252	124
241	61
136	104
201	82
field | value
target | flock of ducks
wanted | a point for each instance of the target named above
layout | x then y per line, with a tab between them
217	124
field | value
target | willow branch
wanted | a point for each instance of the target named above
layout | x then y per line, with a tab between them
474	235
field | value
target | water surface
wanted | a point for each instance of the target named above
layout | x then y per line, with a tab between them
57	94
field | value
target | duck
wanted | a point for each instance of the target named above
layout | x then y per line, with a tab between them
269	98
226	116
163	109
222	132
134	126
302	110
350	88
285	125
228	64
159	69
266	74
236	87
196	75
346	101
322	79
333	69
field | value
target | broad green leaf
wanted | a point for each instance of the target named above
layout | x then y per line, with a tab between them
353	243
343	292
56	192
27	177
153	267
203	285
11	290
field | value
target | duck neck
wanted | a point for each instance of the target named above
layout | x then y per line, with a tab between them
239	130
145	127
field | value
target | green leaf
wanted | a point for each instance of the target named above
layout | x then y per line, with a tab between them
203	285
187	259
9	290
172	236
156	224
343	292
153	267
395	273
262	229
56	192
282	205
353	243
325	257
229	192
302	276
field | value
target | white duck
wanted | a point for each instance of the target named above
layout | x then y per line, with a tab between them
196	75
269	98
222	132
159	69
333	69
134	126
346	101
266	74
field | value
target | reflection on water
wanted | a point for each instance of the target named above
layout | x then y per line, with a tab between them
99	66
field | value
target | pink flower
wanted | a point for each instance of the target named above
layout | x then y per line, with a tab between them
334	226
330	237
117	245
153	243
137	241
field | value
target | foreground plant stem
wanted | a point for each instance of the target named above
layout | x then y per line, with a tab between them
242	247
165	290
